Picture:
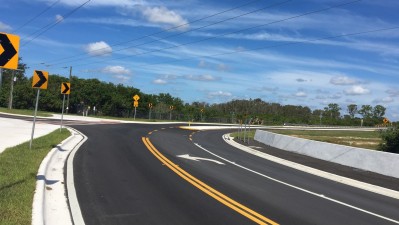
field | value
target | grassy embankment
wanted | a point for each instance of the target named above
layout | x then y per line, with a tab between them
18	170
360	139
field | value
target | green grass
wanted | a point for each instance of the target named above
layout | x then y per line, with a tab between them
18	170
360	139
25	112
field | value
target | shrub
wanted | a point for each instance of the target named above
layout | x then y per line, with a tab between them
390	138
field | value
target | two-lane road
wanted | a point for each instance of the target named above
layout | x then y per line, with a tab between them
145	174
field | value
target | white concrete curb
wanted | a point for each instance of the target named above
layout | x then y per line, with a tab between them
74	207
50	205
316	172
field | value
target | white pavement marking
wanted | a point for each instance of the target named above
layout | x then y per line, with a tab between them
187	156
299	188
340	179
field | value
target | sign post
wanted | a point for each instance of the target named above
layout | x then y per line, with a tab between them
39	81
149	106
135	104
171	109
65	90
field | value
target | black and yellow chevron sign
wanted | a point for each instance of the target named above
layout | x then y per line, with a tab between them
66	88
40	79
9	46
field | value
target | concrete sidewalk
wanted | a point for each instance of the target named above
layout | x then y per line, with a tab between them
14	131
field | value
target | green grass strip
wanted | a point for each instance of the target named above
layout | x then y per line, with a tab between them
18	170
25	112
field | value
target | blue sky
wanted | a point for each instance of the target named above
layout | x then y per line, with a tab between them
216	51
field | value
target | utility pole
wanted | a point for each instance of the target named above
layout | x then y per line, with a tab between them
70	77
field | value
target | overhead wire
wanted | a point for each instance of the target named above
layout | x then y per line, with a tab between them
53	24
229	33
198	28
37	16
162	31
273	46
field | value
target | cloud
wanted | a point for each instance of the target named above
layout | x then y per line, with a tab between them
384	100
343	80
301	94
118	70
393	92
4	27
163	15
201	77
218	94
300	80
98	49
122	79
357	90
59	18
159	81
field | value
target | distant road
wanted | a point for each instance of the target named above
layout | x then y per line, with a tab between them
160	174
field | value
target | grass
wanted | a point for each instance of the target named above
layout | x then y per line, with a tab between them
18	170
26	112
360	139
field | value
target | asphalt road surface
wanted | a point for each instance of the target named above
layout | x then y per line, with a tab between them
160	174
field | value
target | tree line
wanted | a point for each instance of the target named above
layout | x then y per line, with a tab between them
109	99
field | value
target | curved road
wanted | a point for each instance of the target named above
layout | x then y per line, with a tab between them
145	174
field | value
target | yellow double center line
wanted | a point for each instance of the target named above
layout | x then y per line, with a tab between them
243	210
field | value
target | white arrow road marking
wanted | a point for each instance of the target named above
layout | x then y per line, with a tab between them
187	156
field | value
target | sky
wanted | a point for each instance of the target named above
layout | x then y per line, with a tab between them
299	52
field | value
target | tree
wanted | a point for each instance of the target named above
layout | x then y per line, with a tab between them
366	111
352	110
379	111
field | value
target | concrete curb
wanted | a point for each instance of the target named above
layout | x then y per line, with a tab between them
50	205
375	161
74	207
316	172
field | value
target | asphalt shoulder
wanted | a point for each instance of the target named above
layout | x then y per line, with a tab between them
330	167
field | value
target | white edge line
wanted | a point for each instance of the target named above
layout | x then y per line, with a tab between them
298	188
76	213
340	179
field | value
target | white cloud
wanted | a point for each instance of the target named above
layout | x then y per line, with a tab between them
357	90
201	77
301	94
59	18
4	27
393	92
159	81
119	70
217	94
343	80
122	79
384	100
98	49
164	16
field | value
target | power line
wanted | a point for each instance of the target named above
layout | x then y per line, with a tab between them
164	31
274	46
198	28
229	33
51	25
37	16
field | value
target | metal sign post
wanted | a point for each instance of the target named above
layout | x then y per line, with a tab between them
62	115
34	118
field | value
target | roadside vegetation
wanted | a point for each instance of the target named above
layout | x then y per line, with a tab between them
18	170
26	112
390	139
99	98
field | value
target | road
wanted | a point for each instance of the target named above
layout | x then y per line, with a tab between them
145	174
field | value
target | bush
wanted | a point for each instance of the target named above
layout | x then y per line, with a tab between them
390	138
